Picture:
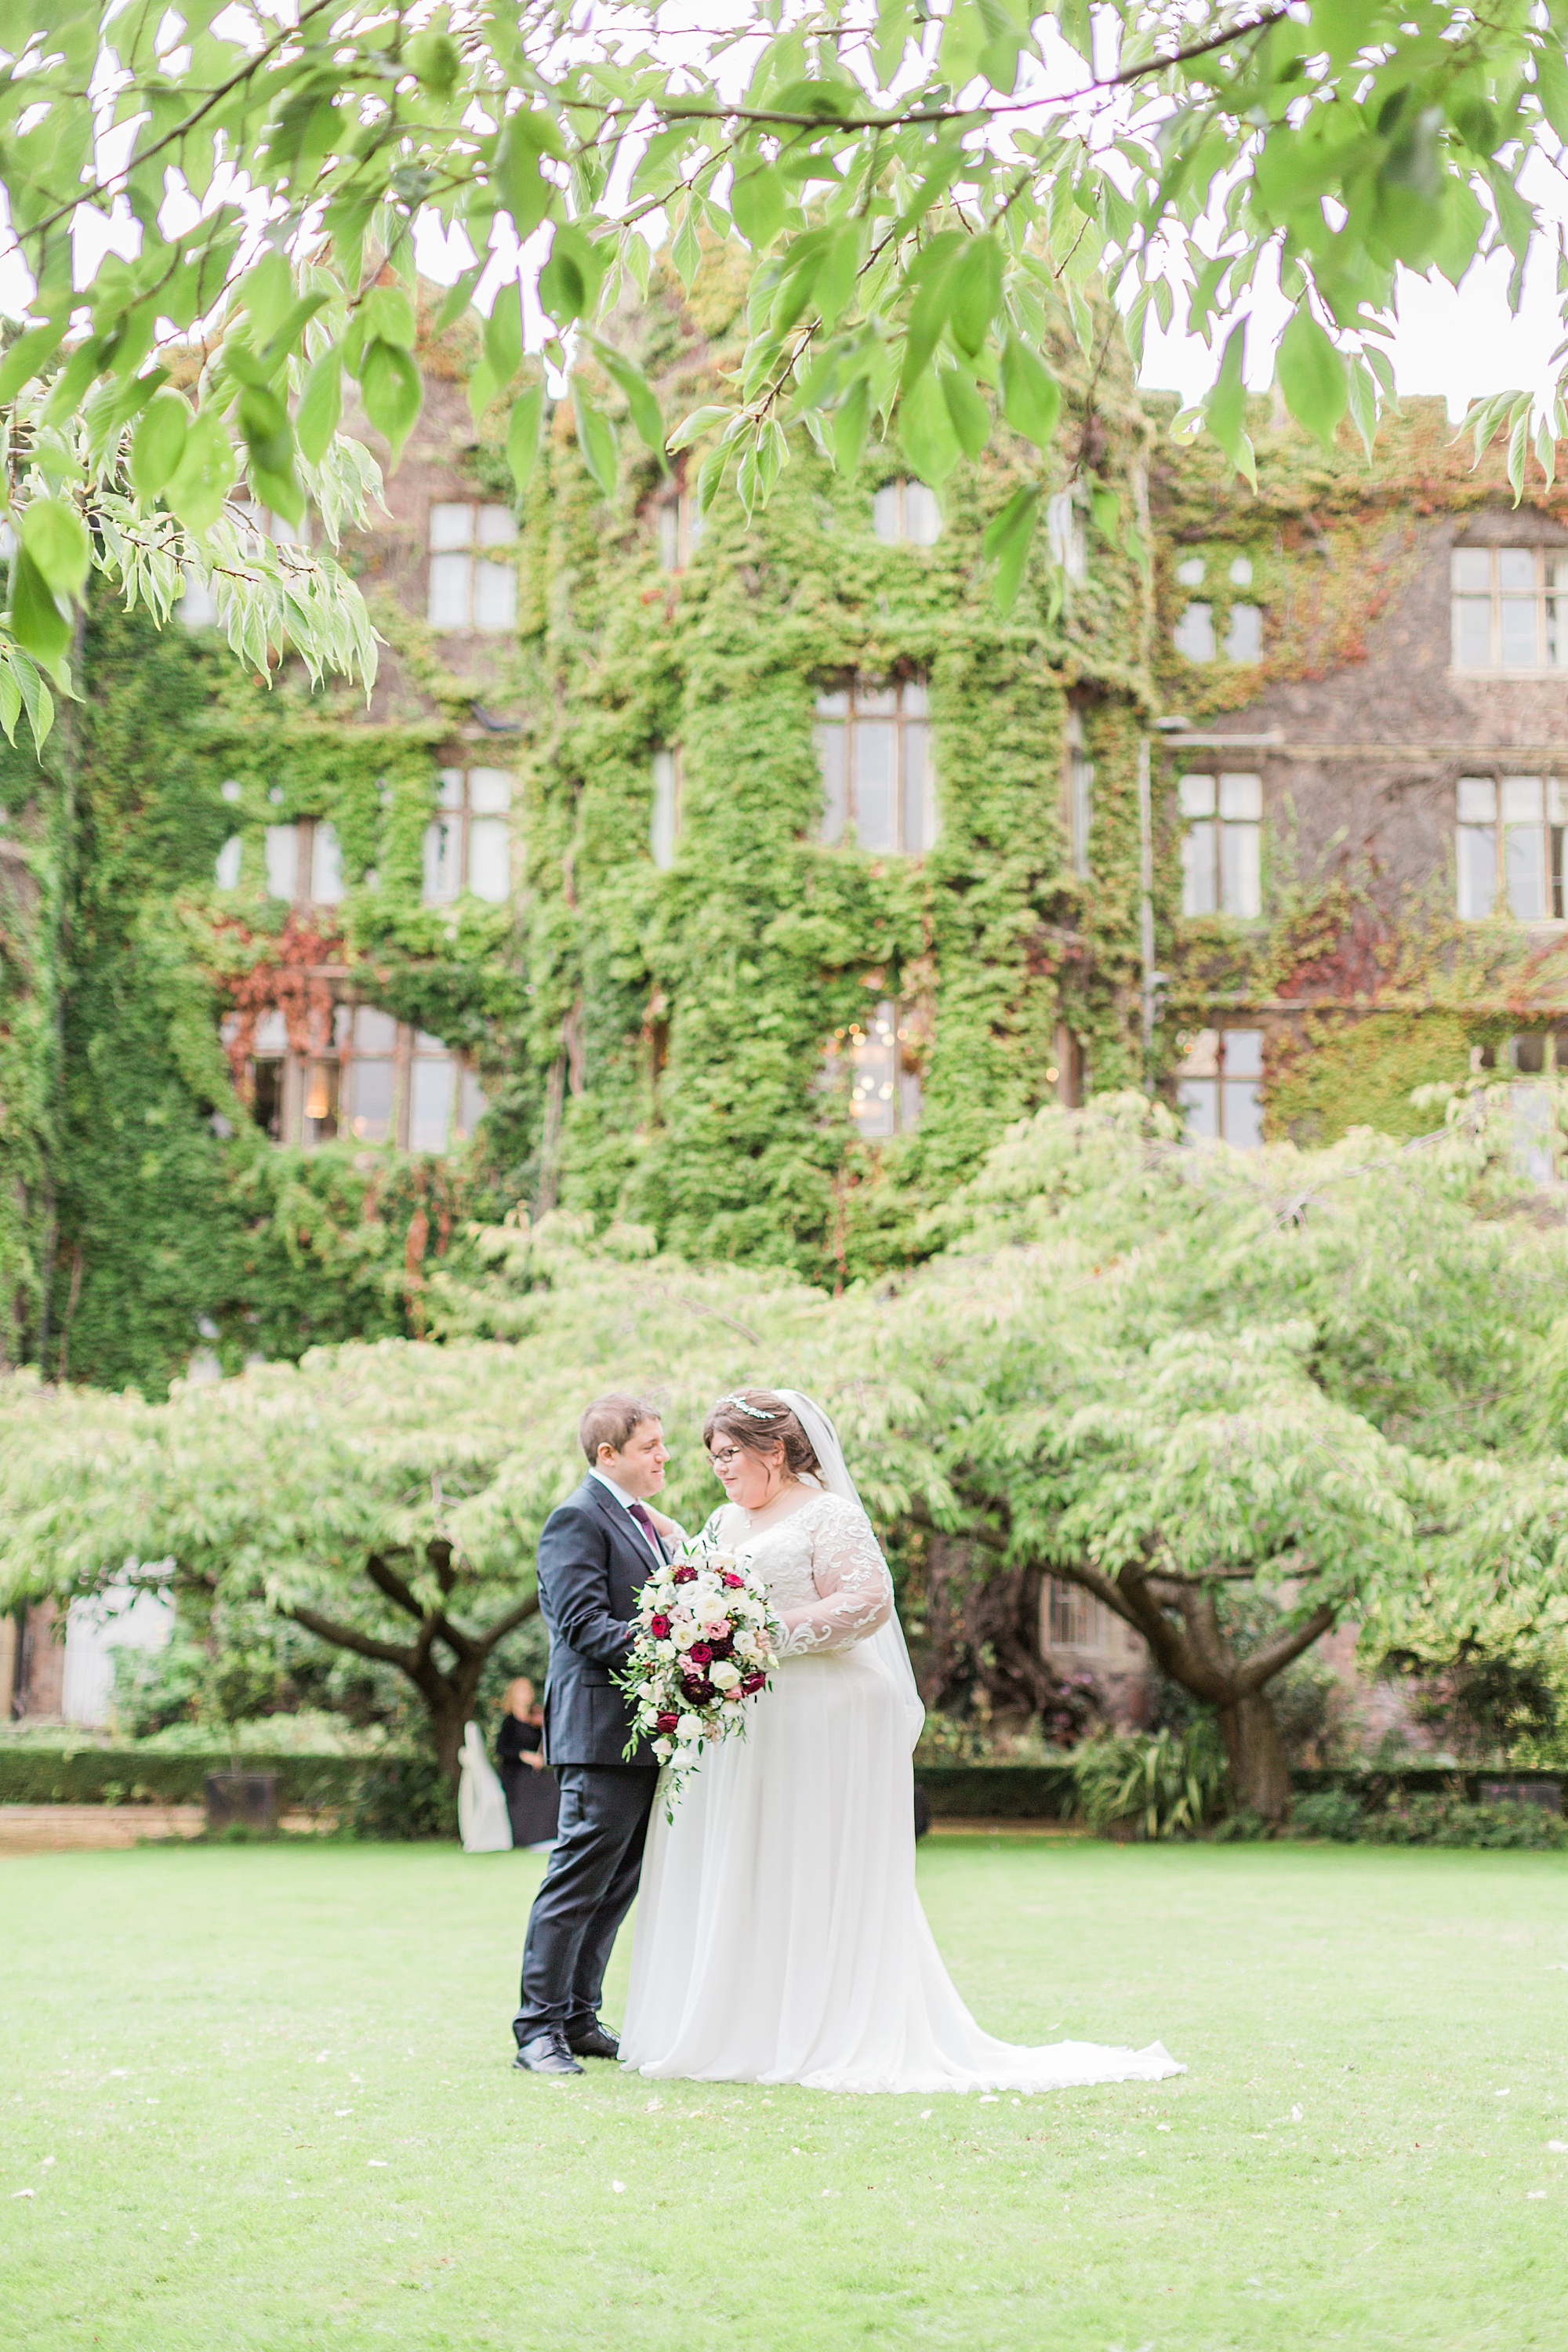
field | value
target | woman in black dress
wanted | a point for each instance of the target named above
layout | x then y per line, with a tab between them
532	1798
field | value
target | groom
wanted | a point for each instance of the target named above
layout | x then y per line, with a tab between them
595	1552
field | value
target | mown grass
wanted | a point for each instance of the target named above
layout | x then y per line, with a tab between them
262	2098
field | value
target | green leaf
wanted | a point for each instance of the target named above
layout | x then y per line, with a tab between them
977	292
503	334
685	253
55	536
925	431
757	205
159	443
392	392
931	276
387	315
570	280
36	700
1031	397
851	424
265	292
967	413
1312	376
1363	402
27	355
38	623
200	483
1552	84
692	428
1225	409
437	61
1007	544
321	406
459	295
639	392
522	435
10	696
1461	224
595	438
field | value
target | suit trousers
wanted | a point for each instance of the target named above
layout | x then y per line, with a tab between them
586	1891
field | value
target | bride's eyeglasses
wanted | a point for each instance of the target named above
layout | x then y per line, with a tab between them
725	1455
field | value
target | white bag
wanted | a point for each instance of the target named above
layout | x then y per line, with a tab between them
482	1816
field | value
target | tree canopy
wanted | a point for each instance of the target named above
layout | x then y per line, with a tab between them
1338	1379
928	194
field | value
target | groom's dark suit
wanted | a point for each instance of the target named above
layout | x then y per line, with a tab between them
592	1561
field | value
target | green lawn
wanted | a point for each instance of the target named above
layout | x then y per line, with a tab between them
262	2098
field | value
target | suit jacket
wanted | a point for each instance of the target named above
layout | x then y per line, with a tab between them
592	1562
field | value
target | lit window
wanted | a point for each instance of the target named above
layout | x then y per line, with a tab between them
1073	1619
1219	1087
1511	834
906	514
369	1084
1080	795
1221	845
1510	608
1067	535
664	822
365	1078
680	523
874	1058
874	746
468	844
1193	637
470	589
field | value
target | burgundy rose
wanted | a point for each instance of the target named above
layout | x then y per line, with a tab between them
734	1582
700	1654
754	1682
723	1647
684	1576
658	1627
697	1689
666	1723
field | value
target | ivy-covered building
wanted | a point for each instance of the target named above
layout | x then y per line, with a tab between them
744	878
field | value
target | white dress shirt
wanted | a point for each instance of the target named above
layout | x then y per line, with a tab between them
625	1502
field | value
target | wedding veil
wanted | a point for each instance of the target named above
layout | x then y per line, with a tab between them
886	1648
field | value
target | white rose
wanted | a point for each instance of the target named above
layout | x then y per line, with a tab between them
690	1726
723	1676
664	1749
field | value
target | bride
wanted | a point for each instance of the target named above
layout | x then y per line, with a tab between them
779	1936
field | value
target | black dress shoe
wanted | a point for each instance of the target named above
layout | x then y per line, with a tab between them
546	2054
596	2042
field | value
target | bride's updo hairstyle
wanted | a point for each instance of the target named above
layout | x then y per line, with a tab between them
758	1420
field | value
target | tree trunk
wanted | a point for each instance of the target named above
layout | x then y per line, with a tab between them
1259	1774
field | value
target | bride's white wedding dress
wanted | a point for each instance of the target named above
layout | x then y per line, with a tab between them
779	1936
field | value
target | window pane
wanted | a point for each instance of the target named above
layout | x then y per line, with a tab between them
267	1104
450	788
1240	879
1244	638
271	1032
430	1105
1199	1099
320	1102
871	1082
664	825
326	866
1198	877
1196	795
1082	792
228	860
885	514
917	796
1524	868
495	596
442	848
1477	800
1471	567
471	1104
1516	568
370	1098
489	858
833	705
1522	800
1242	1111
1478	872
1243	1053
668	518
830	753
374	1032
498	527
1241	796
1472	632
1528	1053
915	701
1193	637
1519	650
451	580
876	701
489	791
282	860
452	525
1202	1058
922	516
876	748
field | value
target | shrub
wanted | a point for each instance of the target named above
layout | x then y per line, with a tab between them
1448	1821
401	1796
1167	1785
1330	1813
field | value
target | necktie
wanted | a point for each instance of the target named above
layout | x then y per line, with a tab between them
643	1520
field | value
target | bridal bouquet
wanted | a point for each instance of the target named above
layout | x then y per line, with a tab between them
702	1644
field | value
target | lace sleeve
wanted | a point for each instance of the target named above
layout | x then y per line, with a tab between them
855	1591
710	1538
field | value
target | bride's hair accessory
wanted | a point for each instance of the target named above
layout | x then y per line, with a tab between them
742	1405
